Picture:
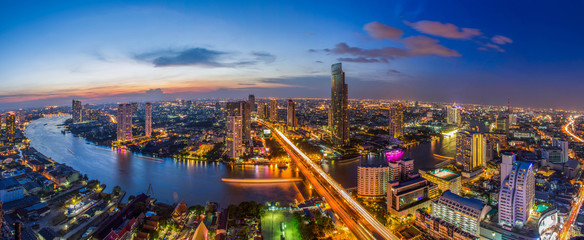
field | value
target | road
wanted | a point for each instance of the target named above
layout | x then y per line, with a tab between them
358	220
565	232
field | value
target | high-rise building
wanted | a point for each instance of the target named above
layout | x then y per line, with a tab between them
148	119
124	120
234	136
242	109
134	108
396	121
372	180
77	111
508	159
565	149
291	115
338	115
470	152
453	116
516	195
261	110
466	213
273	110
252	102
10	127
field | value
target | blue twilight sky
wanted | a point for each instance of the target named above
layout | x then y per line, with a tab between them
463	51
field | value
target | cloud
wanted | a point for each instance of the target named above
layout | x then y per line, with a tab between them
381	31
501	40
363	60
490	46
423	46
318	61
264	57
446	30
203	57
187	57
414	46
393	72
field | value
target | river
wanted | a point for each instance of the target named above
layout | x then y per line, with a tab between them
194	181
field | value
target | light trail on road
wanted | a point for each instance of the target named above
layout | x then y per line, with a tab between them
370	223
565	232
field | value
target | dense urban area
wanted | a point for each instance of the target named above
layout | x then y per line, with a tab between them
515	172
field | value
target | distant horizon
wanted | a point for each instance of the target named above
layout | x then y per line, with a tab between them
447	51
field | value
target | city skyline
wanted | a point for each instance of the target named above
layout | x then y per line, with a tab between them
104	52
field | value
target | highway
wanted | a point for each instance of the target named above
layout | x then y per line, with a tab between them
358	220
565	232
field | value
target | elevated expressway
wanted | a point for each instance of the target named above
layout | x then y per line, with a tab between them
358	220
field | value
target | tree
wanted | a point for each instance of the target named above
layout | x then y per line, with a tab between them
116	191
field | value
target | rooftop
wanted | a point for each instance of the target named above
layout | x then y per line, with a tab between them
8	183
444	174
468	202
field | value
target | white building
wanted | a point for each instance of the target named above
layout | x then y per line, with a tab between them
372	180
234	136
507	165
516	195
465	213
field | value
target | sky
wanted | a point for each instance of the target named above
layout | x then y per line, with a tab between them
479	52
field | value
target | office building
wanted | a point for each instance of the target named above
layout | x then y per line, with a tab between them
453	116
261	110
405	197
292	122
10	127
234	136
338	114
400	169
396	121
470	152
440	229
273	110
77	111
372	180
466	213
565	148
148	120
252	102
445	179
516	195
124	120
552	154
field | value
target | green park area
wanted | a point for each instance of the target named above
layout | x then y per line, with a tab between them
274	221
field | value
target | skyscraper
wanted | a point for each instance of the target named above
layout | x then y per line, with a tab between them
77	111
124	122
291	115
338	116
508	159
470	152
148	120
261	110
396	120
273	110
453	116
246	122
372	180
234	136
252	103
516	195
10	127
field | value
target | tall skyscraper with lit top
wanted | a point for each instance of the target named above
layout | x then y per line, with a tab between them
77	111
148	120
471	152
273	110
396	121
453	116
124	122
338	115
